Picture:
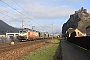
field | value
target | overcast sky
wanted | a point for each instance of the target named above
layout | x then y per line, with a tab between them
40	13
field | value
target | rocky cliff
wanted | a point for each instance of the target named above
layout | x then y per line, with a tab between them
80	19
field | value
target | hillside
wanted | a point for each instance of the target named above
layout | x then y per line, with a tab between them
4	27
80	19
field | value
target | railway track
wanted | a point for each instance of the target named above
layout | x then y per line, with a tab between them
19	49
8	47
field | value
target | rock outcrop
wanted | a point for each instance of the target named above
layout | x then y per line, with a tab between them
80	20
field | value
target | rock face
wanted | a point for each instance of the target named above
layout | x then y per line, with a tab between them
80	20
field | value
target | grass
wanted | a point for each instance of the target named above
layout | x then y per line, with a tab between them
49	52
83	50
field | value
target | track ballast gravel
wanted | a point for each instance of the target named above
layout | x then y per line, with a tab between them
19	49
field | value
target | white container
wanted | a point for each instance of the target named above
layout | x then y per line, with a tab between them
12	43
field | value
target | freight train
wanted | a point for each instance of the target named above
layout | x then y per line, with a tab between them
29	34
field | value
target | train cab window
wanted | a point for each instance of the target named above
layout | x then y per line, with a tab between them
22	31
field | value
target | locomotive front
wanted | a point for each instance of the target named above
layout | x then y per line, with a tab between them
22	36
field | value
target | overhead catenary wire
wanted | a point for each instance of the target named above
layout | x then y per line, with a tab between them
13	8
25	10
8	16
20	6
20	12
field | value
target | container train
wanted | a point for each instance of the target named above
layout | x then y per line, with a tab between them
29	34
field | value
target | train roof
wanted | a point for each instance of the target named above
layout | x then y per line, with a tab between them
32	30
29	29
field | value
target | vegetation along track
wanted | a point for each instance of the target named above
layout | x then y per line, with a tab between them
19	49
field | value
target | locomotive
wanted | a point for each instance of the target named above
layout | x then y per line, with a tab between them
29	34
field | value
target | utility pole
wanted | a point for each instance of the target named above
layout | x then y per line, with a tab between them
52	30
33	27
22	25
